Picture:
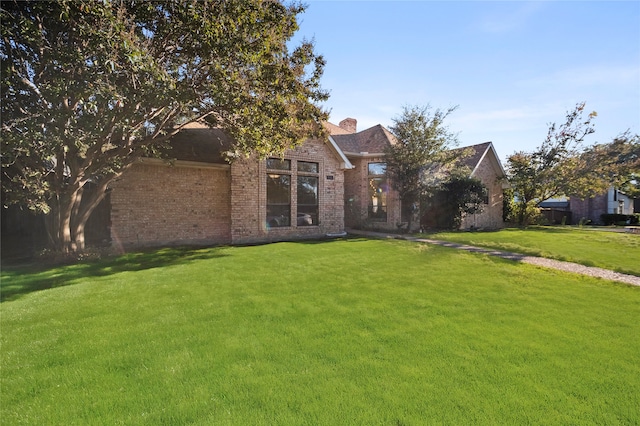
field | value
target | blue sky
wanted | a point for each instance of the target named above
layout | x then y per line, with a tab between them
512	67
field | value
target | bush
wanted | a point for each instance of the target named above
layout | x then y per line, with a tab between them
619	219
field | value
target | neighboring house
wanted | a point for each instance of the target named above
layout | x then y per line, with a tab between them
371	201
610	202
557	211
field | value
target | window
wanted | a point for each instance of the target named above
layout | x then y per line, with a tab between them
305	166
278	200
378	190
278	164
307	200
280	177
377	169
307	194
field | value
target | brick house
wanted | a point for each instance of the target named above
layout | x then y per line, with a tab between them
317	189
201	199
369	199
371	202
486	166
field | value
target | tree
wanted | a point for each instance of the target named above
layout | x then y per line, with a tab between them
90	87
421	159
461	194
553	169
619	165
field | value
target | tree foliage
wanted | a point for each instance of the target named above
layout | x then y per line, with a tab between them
460	195
422	157
89	87
563	166
554	168
619	164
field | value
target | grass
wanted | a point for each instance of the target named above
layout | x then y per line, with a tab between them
351	331
610	250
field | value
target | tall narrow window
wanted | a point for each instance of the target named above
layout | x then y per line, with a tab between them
378	190
278	192
278	200
307	194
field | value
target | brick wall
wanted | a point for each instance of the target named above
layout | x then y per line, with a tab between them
249	197
491	217
158	204
590	208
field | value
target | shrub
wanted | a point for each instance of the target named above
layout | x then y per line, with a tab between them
619	219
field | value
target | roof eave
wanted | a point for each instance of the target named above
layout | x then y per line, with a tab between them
345	163
364	154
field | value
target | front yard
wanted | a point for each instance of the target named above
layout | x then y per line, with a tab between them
601	247
351	331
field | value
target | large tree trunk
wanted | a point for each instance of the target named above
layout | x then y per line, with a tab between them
63	212
72	208
84	211
68	201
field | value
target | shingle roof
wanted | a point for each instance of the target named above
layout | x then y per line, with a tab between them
334	129
376	139
554	204
373	140
478	152
206	145
203	145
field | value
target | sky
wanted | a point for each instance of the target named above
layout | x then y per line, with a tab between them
511	67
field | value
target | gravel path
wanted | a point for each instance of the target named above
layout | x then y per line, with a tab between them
533	260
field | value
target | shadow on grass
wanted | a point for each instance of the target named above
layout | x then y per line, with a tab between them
20	280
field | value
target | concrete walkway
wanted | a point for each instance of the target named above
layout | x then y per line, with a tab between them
533	260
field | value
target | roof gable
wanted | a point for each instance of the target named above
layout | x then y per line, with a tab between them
480	153
376	139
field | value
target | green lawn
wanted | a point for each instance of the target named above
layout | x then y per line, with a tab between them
605	249
350	331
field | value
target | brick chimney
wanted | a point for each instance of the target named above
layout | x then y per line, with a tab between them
349	124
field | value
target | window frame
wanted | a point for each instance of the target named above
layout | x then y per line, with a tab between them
378	211
296	171
373	163
280	164
278	214
311	210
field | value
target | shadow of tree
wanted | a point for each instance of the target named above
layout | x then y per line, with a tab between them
19	280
